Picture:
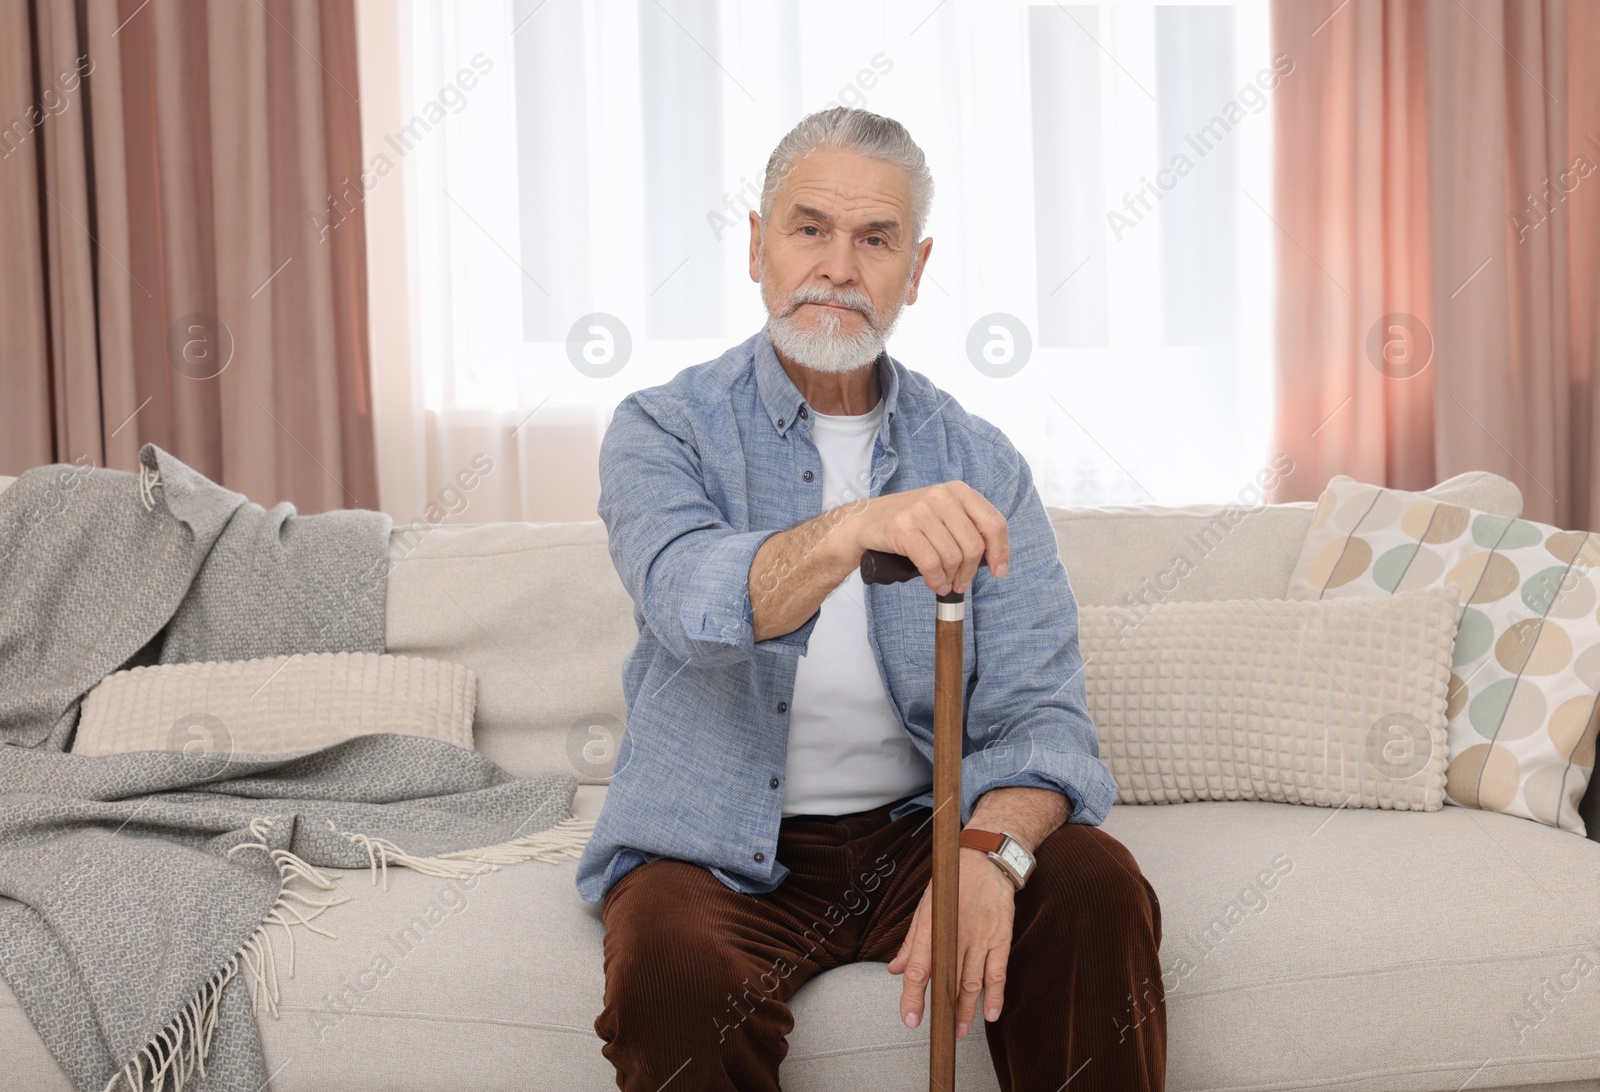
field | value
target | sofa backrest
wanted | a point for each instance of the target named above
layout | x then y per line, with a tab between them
1206	551
538	612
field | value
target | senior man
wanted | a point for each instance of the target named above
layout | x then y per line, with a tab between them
768	818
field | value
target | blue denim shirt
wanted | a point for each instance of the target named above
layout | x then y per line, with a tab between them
695	475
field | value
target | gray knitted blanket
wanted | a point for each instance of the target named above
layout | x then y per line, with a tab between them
135	888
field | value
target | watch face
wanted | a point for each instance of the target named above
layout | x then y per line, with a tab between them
1017	856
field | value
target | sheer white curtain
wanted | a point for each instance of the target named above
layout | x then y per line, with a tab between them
561	219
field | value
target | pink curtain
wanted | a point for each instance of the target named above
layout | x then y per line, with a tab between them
1431	319
166	278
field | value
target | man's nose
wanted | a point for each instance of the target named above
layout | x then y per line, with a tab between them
838	263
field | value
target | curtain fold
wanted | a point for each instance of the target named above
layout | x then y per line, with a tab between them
1439	246
162	172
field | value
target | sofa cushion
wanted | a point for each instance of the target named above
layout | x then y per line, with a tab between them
1525	695
537	610
275	704
539	614
1334	704
1301	948
1338	974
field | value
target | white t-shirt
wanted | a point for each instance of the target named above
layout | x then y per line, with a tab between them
847	749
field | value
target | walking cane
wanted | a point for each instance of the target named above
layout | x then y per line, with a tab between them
885	568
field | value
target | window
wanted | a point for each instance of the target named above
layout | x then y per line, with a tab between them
1100	285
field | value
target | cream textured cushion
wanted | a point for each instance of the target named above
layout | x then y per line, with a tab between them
1333	704
1524	699
276	705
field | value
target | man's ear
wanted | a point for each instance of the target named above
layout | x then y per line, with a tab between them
755	246
919	263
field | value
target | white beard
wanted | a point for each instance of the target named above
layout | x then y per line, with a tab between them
829	350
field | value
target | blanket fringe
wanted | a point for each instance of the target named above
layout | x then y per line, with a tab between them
180	1049
566	839
149	482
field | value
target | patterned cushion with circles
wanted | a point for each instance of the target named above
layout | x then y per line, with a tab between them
1524	702
276	705
1330	704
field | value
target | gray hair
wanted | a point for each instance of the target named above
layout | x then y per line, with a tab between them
855	130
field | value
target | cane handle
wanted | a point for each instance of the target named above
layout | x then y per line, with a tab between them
881	567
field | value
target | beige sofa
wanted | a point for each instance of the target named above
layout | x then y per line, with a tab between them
1393	950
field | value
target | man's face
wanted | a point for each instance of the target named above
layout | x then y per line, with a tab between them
834	259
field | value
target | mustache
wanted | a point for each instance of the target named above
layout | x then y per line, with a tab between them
856	301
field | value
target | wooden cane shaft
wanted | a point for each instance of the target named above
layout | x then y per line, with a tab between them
947	732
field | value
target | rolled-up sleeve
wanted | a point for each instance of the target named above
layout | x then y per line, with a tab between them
686	568
1027	715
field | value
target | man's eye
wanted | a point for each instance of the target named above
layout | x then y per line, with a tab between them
809	227
877	239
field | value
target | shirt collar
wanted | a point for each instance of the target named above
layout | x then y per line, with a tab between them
783	400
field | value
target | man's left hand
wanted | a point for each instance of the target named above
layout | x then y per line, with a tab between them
986	907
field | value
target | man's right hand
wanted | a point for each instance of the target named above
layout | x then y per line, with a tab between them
945	529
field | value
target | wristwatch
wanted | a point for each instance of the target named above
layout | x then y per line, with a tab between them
1003	850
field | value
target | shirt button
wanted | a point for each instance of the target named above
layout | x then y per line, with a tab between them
780	422
802	411
783	707
807	475
760	857
773	782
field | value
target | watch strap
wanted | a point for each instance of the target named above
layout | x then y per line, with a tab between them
987	840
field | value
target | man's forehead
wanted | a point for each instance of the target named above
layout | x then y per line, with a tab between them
846	189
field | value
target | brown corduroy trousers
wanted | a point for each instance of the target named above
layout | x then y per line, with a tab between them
698	975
